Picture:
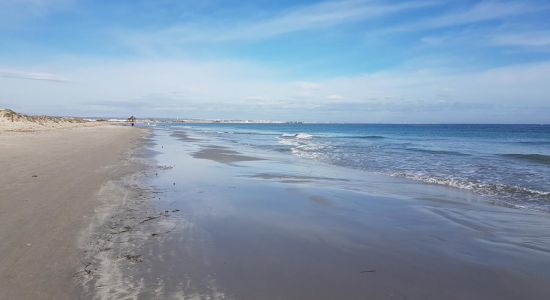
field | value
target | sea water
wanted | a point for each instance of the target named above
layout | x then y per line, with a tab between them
506	164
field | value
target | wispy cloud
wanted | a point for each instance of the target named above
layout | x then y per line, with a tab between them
32	76
452	57
14	13
533	40
482	27
294	19
335	97
480	12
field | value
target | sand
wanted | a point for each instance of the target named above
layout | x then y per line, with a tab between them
116	213
222	155
48	192
287	228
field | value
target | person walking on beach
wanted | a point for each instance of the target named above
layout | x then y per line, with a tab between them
132	120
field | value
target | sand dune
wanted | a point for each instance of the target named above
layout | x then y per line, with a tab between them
13	121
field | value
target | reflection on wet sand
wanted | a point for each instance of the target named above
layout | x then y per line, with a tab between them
252	233
290	178
183	136
222	155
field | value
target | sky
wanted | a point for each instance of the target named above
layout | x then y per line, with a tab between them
421	61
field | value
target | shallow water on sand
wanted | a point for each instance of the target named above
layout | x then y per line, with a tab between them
265	225
508	164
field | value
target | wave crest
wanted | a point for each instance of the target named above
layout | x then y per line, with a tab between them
296	136
483	188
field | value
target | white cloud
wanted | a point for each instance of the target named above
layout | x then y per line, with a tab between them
32	76
335	97
306	85
235	90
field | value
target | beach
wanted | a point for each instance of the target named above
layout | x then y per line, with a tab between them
114	212
275	150
233	222
48	195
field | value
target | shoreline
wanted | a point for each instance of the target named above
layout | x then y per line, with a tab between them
241	223
125	222
168	214
49	192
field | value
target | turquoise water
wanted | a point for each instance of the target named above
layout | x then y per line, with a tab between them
509	164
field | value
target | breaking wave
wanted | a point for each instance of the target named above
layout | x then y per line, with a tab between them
296	136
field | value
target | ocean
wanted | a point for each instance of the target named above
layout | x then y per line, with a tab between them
504	164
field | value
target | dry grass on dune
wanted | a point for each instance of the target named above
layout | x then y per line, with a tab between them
13	121
13	116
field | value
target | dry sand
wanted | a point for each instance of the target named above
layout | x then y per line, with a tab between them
48	192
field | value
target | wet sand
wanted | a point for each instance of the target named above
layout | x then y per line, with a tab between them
183	216
286	228
48	195
222	155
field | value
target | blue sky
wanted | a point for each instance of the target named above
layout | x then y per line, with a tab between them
354	61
